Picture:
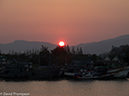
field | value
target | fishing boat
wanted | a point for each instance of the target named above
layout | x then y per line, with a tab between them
103	72
75	67
27	71
119	72
86	74
14	70
43	72
71	71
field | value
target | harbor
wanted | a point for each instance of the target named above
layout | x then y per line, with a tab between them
81	69
64	48
61	62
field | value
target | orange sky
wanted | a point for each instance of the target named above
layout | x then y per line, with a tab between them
74	21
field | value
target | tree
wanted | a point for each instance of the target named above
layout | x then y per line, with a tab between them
44	56
67	49
95	57
60	54
0	52
80	51
73	51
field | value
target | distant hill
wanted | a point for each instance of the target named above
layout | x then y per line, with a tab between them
21	46
92	48
105	45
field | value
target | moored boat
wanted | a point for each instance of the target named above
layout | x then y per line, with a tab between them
27	71
86	74
101	72
120	72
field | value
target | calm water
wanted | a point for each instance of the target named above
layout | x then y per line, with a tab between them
66	88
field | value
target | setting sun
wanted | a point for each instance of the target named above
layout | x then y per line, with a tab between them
61	43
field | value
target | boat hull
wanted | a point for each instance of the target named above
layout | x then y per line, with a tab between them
121	74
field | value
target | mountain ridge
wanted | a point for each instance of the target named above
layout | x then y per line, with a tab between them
104	45
22	46
91	48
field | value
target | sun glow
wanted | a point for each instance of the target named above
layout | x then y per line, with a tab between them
61	43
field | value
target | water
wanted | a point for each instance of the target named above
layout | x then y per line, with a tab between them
66	88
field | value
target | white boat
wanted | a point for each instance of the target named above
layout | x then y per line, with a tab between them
120	72
111	73
69	74
85	74
71	70
75	67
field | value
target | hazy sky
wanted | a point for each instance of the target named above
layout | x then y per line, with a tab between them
74	21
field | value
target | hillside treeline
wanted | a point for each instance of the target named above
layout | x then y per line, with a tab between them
61	55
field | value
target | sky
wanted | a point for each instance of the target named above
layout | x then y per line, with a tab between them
74	21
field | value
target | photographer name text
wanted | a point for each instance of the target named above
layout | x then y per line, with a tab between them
13	94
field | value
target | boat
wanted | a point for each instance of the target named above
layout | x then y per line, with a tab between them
43	72
86	74
75	67
71	71
103	72
92	74
27	71
120	72
13	70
